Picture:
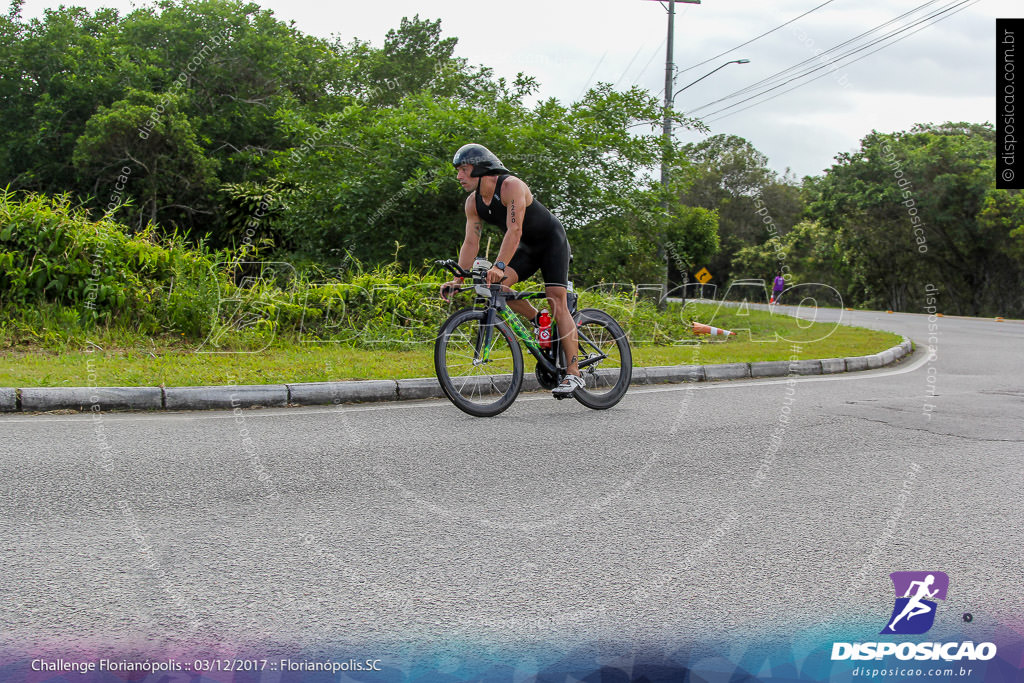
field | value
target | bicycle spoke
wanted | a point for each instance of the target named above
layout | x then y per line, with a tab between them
478	386
605	361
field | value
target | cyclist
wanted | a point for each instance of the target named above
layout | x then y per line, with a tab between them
534	239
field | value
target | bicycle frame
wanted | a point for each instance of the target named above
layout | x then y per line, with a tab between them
530	342
493	300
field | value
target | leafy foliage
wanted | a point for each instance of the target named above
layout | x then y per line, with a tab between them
214	118
183	93
212	122
64	275
728	175
51	253
379	175
920	207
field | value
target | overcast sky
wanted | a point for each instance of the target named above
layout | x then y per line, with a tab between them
944	72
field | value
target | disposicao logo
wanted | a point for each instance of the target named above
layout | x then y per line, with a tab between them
913	614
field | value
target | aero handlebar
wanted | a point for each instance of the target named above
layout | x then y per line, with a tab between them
454	267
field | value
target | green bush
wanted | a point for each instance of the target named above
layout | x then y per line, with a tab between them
65	275
52	254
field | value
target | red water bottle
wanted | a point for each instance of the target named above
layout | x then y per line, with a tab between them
544	330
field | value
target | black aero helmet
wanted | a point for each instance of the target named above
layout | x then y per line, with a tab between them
482	159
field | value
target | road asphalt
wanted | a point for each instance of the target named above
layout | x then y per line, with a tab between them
728	512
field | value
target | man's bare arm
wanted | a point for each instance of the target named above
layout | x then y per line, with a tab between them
474	228
514	195
470	245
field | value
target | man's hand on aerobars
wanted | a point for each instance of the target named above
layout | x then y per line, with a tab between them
494	276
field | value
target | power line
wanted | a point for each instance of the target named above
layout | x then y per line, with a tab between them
637	54
780	75
720	54
732	49
800	85
654	54
847	54
831	62
587	86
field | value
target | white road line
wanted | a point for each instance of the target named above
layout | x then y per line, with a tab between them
443	403
842	376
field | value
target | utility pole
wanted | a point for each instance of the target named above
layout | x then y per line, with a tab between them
666	129
667	136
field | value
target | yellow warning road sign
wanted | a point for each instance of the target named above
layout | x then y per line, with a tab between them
703	275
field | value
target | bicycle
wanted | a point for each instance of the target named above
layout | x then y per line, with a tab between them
479	362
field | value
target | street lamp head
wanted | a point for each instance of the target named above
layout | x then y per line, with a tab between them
735	61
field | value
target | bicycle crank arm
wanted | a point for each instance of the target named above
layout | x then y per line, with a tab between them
590	360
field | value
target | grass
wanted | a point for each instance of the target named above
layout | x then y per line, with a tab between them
121	359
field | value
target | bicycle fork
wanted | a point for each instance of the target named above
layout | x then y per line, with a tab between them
484	338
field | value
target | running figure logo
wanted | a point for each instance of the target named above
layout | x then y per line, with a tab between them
914	613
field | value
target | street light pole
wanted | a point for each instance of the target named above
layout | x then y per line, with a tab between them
667	132
735	61
666	129
669	83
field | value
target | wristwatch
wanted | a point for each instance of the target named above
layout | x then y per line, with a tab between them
500	265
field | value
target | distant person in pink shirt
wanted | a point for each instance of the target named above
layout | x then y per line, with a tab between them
777	287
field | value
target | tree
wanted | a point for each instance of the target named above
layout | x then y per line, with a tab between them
167	169
374	176
1002	220
906	211
728	175
415	57
224	66
807	254
57	69
190	113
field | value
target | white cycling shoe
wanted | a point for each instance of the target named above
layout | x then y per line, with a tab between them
569	384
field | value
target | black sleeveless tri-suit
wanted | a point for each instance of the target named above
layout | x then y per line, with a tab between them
543	244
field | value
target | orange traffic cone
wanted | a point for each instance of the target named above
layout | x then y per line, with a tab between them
772	300
701	328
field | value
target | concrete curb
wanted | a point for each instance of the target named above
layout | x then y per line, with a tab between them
830	366
771	368
8	400
41	399
95	399
322	393
727	371
424	387
670	373
233	396
856	364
